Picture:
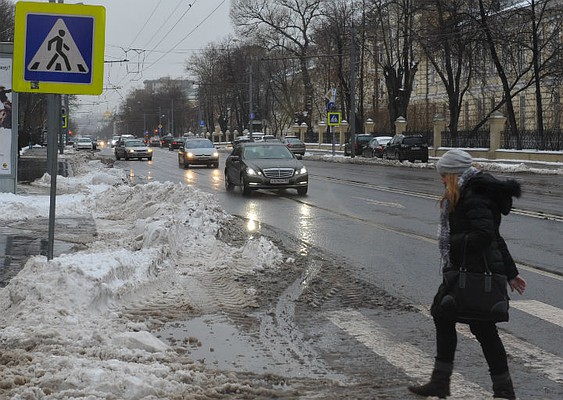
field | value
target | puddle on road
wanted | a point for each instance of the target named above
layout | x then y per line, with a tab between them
213	341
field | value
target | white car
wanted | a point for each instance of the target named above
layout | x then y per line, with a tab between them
83	143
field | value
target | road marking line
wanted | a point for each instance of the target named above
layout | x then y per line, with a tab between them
414	362
541	310
533	357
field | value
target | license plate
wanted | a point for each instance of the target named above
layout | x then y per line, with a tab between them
416	148
278	181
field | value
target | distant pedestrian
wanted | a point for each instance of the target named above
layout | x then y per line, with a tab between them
470	217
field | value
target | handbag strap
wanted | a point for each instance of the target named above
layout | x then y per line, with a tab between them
463	267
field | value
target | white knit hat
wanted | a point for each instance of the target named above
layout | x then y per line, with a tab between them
454	161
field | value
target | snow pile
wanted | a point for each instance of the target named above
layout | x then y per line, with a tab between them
66	325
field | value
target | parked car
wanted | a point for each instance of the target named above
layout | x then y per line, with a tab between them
154	141
241	139
376	146
83	143
361	142
264	165
294	144
198	152
257	136
132	148
270	138
175	143
407	147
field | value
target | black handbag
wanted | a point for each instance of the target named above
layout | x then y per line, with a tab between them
472	296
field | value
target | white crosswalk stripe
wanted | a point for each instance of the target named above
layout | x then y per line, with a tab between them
533	357
406	357
541	310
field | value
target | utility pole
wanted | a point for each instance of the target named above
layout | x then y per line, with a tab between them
353	94
250	113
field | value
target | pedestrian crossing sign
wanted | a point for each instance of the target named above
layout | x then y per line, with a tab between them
333	118
59	48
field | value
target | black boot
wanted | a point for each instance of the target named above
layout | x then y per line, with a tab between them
439	385
502	386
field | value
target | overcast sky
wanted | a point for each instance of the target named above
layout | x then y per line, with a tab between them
156	36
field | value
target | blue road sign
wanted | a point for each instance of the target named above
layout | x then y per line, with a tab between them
252	115
334	118
60	50
202	123
330	106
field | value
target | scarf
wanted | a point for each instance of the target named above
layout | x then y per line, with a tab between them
444	227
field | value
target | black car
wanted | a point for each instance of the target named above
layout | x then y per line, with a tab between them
407	147
175	143
362	141
265	165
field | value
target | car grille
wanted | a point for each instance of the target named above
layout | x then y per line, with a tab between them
278	172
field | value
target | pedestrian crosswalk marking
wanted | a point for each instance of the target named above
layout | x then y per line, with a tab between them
551	366
58	53
541	310
406	357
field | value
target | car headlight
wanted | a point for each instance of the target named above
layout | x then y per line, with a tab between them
131	151
301	171
150	150
216	154
190	154
251	171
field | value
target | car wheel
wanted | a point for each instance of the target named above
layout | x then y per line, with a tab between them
117	157
424	160
180	162
149	159
245	187
228	185
126	157
186	165
216	165
302	191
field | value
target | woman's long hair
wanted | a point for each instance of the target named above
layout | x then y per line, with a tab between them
451	192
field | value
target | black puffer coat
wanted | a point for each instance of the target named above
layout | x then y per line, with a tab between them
474	225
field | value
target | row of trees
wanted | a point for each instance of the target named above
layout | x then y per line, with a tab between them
295	50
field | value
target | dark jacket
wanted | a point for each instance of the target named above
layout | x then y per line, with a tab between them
475	240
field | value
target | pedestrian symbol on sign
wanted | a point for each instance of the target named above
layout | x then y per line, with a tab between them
334	118
58	53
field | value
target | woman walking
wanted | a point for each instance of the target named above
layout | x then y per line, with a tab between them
470	217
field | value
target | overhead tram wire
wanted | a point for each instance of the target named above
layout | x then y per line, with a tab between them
188	35
167	33
165	21
173	26
146	23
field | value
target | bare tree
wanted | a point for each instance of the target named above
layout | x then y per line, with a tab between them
7	18
448	39
525	47
285	24
395	29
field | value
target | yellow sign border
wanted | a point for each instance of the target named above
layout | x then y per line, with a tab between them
331	123
98	13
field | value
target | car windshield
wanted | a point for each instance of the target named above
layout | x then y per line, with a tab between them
84	140
198	144
134	143
413	140
275	152
364	139
293	141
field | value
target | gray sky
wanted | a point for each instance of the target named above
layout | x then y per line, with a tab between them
156	36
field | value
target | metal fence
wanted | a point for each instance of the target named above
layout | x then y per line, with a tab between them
532	140
468	139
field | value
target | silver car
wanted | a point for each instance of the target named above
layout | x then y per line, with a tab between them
197	152
132	148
